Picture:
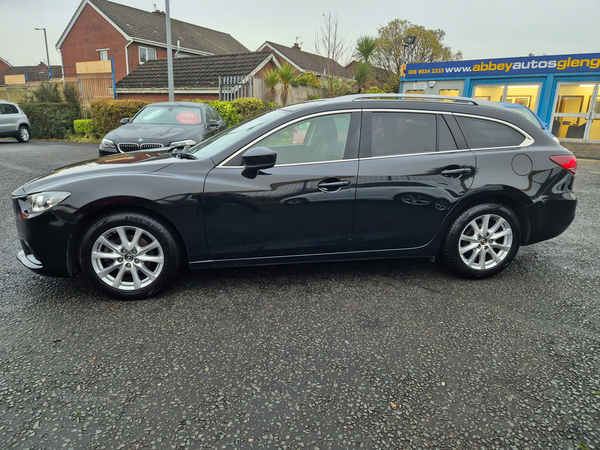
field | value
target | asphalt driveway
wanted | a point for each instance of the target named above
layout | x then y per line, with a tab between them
377	354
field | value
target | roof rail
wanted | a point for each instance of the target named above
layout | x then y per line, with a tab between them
425	97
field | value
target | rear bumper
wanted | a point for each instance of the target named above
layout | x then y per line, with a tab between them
552	218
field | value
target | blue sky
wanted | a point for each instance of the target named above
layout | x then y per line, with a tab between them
480	29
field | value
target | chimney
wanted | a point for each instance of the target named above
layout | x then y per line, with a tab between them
296	46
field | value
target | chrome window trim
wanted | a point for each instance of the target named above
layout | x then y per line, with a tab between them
415	154
528	140
296	164
280	127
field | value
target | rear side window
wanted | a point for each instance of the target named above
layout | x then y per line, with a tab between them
8	109
402	133
481	133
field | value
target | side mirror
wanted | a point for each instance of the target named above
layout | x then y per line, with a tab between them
258	158
125	121
212	123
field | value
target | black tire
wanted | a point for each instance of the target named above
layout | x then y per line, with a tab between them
24	134
482	241
122	272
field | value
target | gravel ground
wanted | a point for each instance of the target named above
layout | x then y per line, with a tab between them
378	354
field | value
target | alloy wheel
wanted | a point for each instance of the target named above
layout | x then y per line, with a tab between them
127	258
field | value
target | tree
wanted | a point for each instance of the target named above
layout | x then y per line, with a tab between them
286	74
366	46
361	74
330	43
428	47
271	79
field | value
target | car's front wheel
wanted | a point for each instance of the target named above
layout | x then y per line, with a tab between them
129	255
482	241
24	134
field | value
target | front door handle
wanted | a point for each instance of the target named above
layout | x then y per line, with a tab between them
332	184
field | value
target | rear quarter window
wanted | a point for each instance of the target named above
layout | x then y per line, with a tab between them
482	133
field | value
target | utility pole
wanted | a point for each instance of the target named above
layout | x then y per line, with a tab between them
169	54
46	41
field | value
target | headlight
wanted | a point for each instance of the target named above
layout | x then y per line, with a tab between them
182	143
43	201
107	144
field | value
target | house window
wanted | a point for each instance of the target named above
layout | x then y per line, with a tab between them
146	54
104	55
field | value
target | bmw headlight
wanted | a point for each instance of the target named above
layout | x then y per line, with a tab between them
43	201
107	144
189	142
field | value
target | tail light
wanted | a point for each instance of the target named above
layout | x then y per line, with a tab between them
567	162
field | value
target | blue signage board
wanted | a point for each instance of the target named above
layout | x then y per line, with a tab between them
589	62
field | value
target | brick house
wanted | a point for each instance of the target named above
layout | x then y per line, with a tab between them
194	78
304	61
100	30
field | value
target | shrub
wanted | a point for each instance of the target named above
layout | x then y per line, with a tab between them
51	120
306	79
248	107
107	114
227	112
85	127
375	90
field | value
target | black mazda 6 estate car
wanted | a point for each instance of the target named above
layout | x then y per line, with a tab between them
461	180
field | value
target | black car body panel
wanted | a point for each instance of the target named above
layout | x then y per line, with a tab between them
375	197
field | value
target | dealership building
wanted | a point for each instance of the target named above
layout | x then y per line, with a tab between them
562	89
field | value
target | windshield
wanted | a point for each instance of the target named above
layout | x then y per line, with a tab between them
229	137
174	115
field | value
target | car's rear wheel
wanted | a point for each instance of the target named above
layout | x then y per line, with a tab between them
24	134
129	255
482	241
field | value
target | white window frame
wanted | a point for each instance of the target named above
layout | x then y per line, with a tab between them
146	52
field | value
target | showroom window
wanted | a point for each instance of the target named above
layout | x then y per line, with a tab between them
146	54
524	94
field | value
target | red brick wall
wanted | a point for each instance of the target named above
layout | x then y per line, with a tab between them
90	32
3	66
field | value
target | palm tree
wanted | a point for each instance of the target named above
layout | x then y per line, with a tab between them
286	73
361	75
271	79
366	47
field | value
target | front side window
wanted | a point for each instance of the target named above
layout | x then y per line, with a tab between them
104	55
481	133
146	54
321	138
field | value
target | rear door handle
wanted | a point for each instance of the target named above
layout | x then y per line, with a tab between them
334	184
456	172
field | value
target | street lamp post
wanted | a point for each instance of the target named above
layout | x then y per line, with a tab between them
46	41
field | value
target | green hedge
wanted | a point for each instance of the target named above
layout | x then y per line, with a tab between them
84	126
107	114
51	120
239	109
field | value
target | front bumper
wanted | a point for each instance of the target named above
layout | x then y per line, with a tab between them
45	243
